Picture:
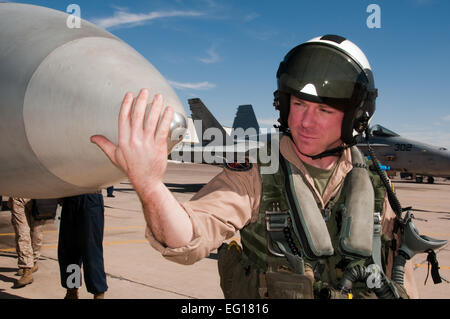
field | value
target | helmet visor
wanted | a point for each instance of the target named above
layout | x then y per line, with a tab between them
322	73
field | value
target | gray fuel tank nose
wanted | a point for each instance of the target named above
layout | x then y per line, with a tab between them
59	86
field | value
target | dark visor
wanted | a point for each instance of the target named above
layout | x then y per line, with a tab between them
336	78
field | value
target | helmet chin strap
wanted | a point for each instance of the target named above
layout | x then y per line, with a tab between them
337	151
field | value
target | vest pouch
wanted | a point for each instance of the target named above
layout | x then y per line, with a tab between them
308	222
236	280
285	285
356	237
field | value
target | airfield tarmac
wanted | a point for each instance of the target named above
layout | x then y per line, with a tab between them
136	271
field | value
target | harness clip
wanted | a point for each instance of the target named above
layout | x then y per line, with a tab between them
277	220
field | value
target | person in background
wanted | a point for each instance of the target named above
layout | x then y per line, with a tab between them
81	244
110	191
28	237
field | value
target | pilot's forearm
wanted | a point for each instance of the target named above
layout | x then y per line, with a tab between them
168	221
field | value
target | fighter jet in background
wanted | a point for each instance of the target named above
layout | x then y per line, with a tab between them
244	120
204	121
207	136
409	157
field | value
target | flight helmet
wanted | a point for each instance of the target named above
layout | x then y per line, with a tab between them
330	70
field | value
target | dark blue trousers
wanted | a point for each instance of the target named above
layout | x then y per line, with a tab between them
110	190
81	240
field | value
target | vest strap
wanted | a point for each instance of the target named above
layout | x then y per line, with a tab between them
294	260
356	238
277	227
376	244
308	222
276	222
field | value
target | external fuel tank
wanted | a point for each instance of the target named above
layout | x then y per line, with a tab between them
58	87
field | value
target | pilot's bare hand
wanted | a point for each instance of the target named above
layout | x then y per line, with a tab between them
142	149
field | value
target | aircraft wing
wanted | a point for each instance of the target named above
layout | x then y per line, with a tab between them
374	146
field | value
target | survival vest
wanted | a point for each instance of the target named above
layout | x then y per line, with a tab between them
291	224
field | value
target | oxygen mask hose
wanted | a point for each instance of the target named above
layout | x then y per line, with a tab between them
398	270
412	242
377	282
393	200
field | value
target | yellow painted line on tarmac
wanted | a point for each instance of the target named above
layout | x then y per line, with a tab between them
426	266
14	250
106	229
12	234
7	234
124	227
137	241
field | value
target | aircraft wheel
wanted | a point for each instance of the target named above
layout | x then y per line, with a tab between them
430	180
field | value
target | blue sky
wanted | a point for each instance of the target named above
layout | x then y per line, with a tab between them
227	52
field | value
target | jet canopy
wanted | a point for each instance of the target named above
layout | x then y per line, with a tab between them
378	130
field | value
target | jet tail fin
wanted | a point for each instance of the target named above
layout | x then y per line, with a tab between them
201	112
245	118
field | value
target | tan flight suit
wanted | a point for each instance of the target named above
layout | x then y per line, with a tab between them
28	232
231	200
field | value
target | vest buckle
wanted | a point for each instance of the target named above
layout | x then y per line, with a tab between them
326	213
276	219
377	223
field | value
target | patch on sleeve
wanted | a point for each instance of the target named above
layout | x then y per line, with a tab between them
239	167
